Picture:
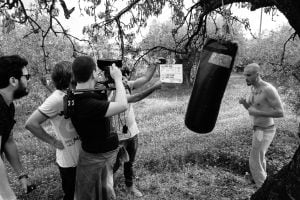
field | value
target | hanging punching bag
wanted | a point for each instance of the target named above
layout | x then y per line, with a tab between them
216	62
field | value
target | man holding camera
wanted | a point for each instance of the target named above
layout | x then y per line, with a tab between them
14	79
126	126
94	176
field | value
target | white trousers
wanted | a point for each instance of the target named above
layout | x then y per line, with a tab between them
261	140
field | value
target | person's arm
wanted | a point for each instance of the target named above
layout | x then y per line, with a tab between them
120	104
141	95
12	155
139	82
275	103
5	190
34	125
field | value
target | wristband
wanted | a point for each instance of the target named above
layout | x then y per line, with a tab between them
23	176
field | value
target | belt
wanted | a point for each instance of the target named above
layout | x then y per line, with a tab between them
260	127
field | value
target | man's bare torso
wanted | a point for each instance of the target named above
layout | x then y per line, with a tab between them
258	99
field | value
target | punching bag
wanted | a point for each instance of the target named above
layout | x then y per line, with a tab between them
216	62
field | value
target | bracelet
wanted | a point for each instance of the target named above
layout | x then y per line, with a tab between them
23	176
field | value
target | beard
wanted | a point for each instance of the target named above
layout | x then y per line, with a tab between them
20	92
248	82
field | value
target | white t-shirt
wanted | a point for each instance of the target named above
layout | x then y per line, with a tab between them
125	118
63	128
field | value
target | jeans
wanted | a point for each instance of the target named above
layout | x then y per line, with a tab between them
68	176
261	140
131	146
94	176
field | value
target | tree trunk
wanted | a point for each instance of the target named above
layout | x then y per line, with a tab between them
188	61
187	73
284	185
186	69
289	8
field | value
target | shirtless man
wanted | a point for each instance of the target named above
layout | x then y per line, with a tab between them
263	105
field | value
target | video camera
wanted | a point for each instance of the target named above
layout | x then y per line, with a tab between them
104	66
101	88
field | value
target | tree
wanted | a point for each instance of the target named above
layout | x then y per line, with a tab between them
160	38
283	185
114	24
160	42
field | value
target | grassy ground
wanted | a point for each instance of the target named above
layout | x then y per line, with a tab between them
173	162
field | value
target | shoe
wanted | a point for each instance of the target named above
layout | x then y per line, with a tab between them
133	190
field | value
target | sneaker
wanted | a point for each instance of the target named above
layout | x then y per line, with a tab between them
133	190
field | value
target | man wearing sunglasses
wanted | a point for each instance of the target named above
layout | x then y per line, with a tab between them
13	85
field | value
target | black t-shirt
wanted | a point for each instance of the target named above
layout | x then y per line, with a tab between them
91	124
7	121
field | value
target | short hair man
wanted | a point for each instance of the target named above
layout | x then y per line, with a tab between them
94	176
126	120
67	141
13	85
263	105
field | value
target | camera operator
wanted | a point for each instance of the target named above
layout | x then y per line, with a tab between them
126	125
94	176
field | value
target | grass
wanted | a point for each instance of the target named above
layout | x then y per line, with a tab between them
172	161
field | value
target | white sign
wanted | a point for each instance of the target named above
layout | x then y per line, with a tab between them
171	73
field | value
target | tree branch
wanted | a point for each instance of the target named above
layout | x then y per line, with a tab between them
284	46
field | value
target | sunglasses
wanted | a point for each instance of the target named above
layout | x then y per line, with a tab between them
27	76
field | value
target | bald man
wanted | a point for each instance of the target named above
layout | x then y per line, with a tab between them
263	105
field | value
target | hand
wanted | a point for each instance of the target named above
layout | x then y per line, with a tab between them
157	84
244	103
242	100
24	183
161	60
251	110
58	144
115	73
